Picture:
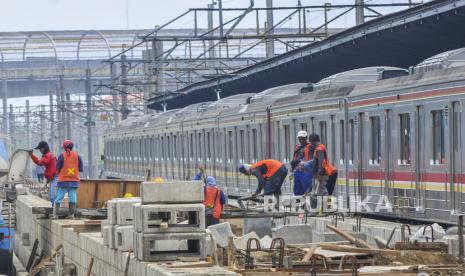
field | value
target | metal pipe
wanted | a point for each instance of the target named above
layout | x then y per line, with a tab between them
346	150
28	135
220	14
124	94
460	233
269	29
42	122
52	120
211	51
89	123
5	104
68	116
359	12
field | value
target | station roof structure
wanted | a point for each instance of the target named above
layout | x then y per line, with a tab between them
401	39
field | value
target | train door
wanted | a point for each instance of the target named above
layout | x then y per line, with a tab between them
286	146
456	161
361	188
241	158
332	141
230	160
420	189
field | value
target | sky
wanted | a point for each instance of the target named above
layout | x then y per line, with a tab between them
41	15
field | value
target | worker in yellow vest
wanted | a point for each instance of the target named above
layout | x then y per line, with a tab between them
69	165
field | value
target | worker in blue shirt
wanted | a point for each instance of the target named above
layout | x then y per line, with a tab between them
302	164
214	200
200	175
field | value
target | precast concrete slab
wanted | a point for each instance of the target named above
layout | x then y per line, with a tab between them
221	232
170	246
149	218
294	233
124	238
119	210
172	192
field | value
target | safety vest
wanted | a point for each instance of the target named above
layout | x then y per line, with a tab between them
213	200
70	169
306	151
330	170
272	166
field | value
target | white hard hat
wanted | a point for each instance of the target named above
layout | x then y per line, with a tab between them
302	133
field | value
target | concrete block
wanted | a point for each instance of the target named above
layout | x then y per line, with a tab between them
170	246
318	236
261	226
221	232
124	214
266	241
103	224
147	218
294	233
241	242
172	192
119	210
124	238
111	237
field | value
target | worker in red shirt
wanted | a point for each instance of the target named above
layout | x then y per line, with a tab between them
49	161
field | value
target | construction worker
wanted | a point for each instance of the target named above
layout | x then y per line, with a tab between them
200	175
270	174
322	169
302	164
49	161
68	166
214	200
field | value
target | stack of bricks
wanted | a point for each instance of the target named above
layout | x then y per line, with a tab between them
118	231
159	233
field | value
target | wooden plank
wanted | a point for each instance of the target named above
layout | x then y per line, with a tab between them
32	256
91	264
309	253
190	265
347	236
83	228
126	267
343	248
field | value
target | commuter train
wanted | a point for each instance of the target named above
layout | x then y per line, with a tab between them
389	131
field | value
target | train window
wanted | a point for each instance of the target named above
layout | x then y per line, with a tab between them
255	145
312	124
191	147
199	147
287	143
438	137
303	126
456	128
162	144
323	133
342	144
405	139
168	147
175	147
209	154
352	141
375	140
230	146
242	145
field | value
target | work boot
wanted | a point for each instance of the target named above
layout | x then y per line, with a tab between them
71	211
56	206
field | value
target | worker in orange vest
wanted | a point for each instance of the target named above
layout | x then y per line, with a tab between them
214	201
322	169
69	165
270	175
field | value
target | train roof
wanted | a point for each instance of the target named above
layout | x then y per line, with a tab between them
272	94
358	76
449	59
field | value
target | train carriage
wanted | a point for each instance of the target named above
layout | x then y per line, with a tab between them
390	132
